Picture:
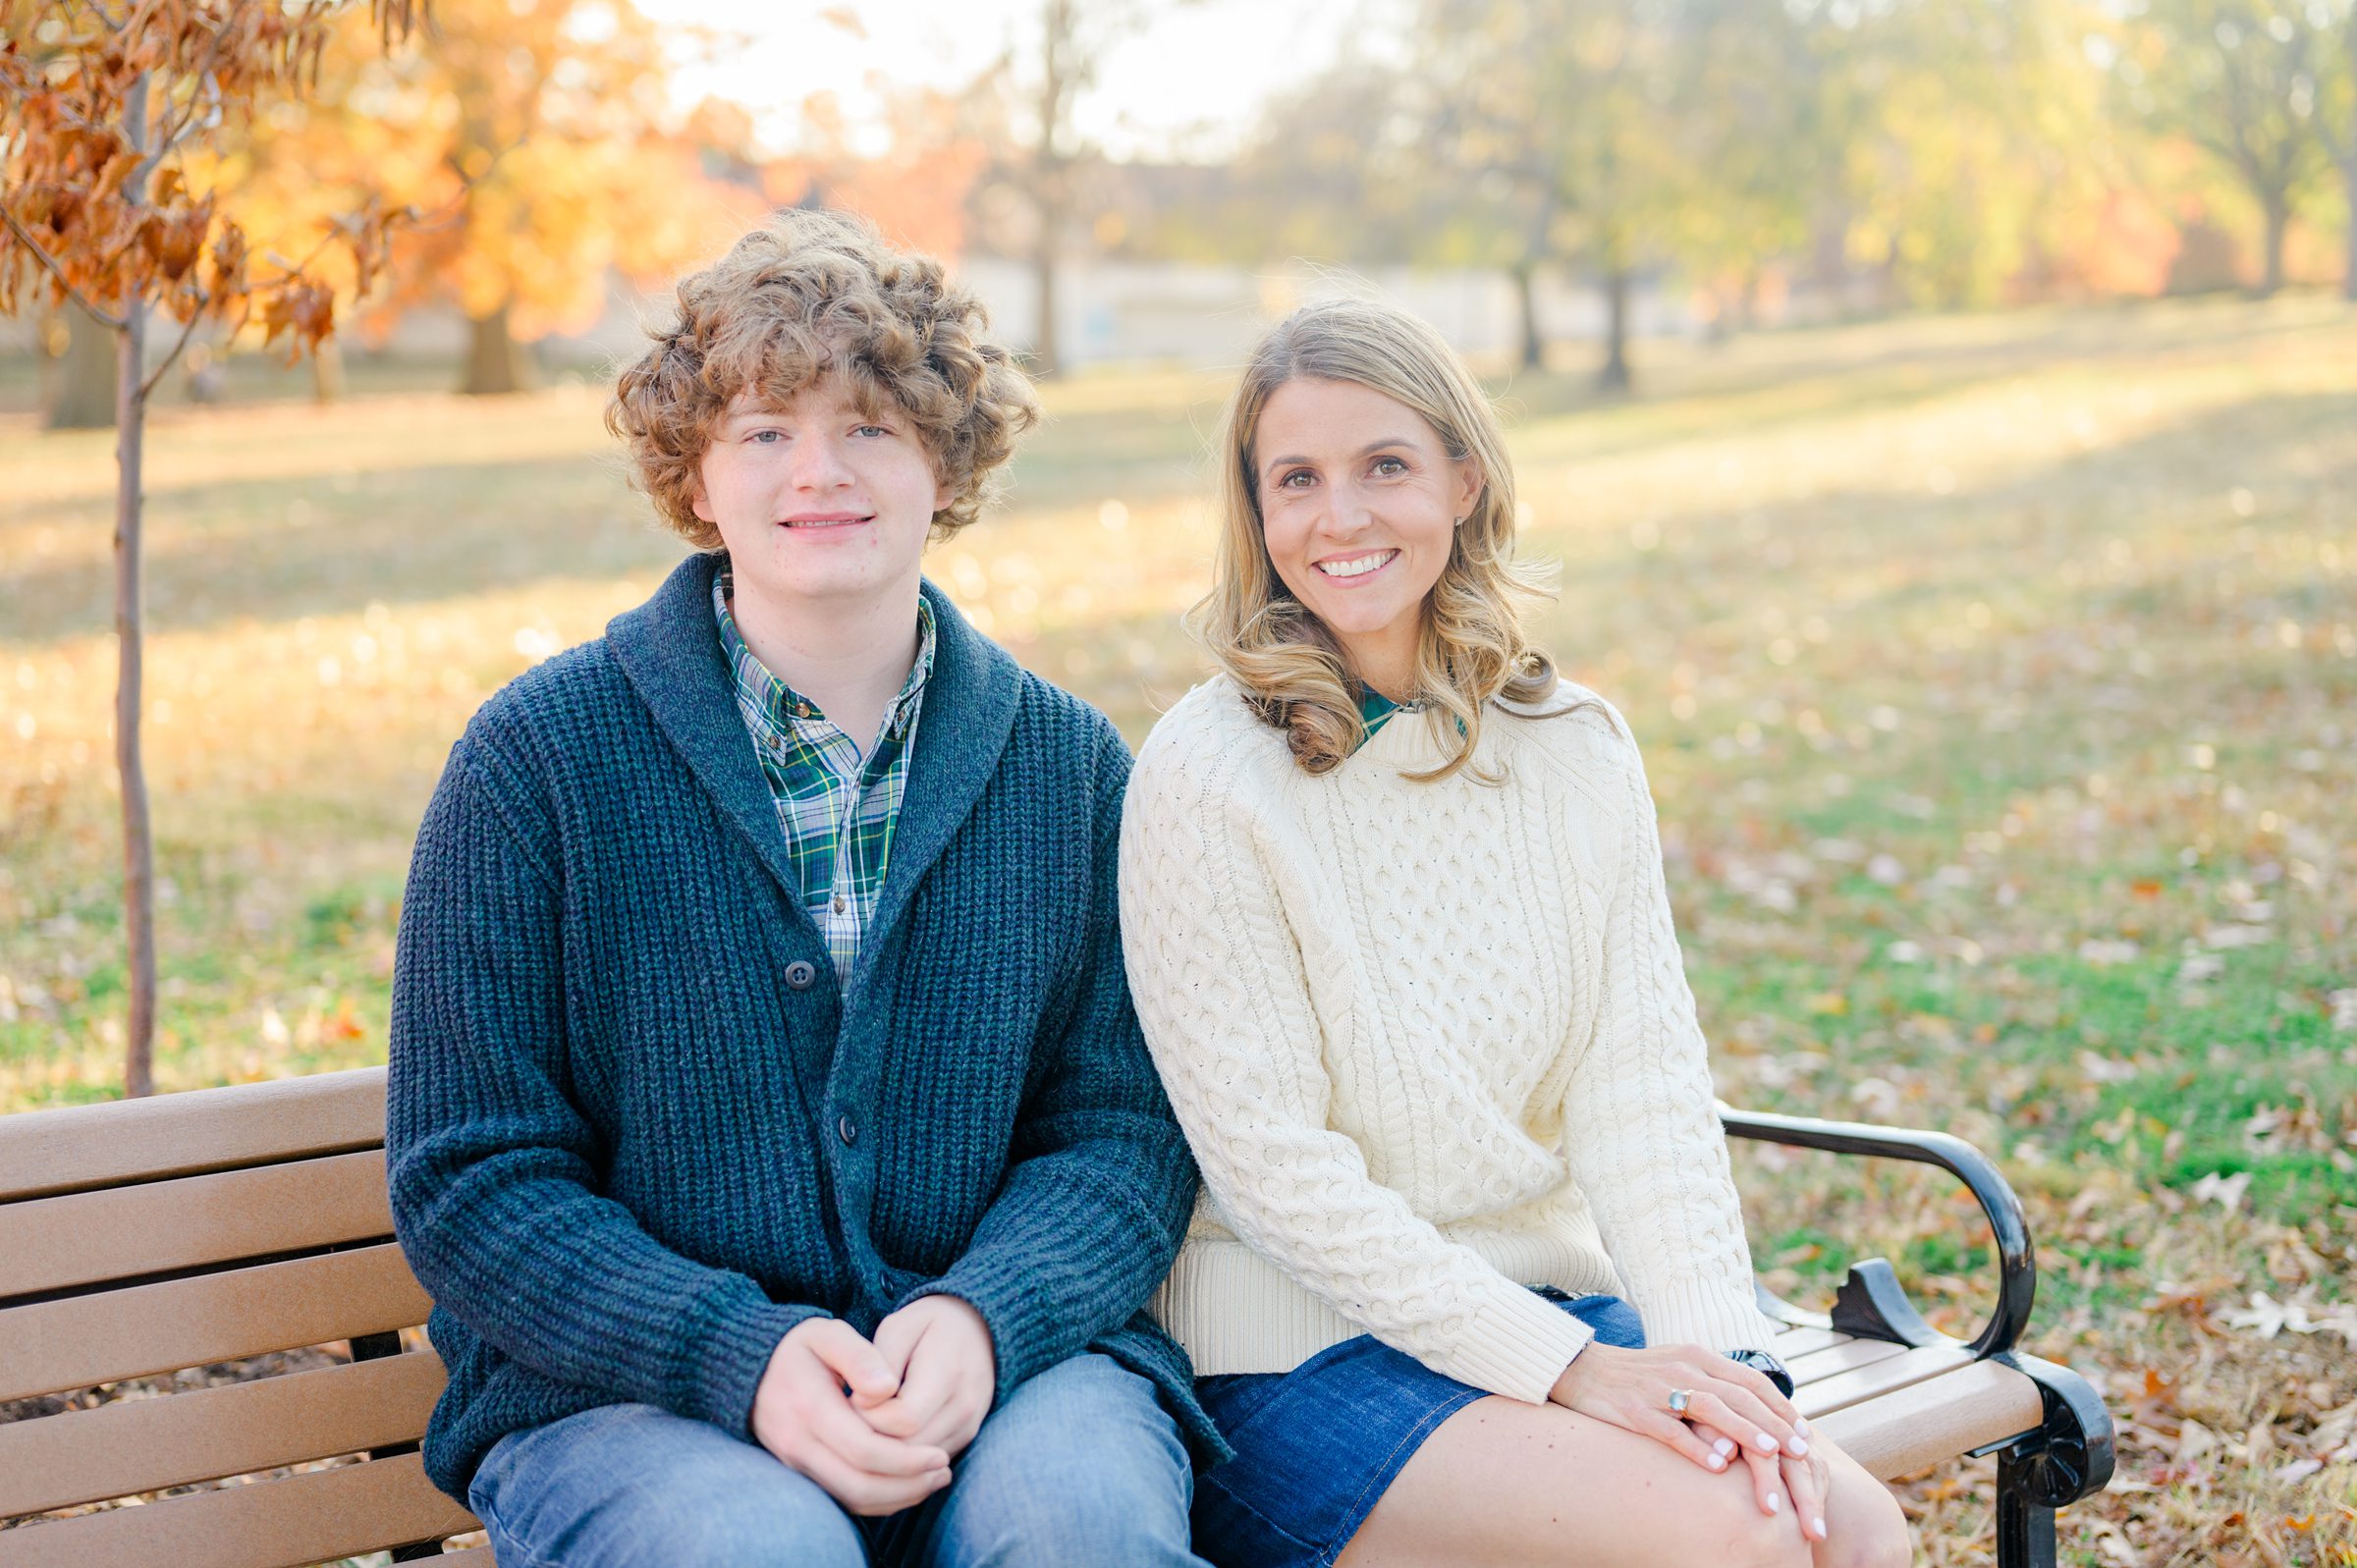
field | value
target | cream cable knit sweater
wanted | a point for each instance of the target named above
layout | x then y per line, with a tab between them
1431	1043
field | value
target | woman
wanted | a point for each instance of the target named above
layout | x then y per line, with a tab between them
1396	927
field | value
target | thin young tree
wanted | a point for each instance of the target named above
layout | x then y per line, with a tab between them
106	109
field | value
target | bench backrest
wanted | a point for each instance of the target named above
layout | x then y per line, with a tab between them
145	1237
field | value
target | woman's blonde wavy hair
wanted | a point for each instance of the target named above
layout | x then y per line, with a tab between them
1473	649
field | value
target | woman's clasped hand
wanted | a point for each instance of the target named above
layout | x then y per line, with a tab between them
1730	1411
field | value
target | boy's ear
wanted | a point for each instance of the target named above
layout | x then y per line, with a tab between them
701	503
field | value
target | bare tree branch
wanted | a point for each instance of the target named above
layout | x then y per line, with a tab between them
187	331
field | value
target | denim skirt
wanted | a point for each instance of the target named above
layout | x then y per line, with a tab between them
1316	1447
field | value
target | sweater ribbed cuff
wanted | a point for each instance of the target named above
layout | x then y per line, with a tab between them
1705	1313
1519	1345
721	1361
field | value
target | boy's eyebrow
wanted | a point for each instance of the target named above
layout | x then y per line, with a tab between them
1368	451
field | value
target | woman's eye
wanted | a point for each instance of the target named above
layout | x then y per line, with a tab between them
1304	475
1390	468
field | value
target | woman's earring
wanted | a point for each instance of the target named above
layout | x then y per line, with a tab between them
1458	523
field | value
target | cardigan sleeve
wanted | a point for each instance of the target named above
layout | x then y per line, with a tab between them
1100	1182
1641	1128
495	1196
1223	997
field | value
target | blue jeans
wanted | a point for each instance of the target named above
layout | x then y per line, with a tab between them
1079	1465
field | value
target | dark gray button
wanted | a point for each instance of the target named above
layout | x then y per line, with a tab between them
846	1130
800	974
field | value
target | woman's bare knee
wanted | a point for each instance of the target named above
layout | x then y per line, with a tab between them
1871	1532
1723	1524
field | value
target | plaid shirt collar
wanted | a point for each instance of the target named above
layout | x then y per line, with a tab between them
837	807
771	704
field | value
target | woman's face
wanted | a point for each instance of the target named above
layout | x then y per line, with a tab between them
1358	506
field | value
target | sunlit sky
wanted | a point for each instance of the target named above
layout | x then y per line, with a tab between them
1188	83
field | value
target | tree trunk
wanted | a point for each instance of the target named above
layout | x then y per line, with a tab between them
1615	376
327	372
1047	357
2279	218
495	366
1534	347
138	848
2348	190
86	375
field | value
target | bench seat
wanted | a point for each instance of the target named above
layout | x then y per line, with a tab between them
144	1238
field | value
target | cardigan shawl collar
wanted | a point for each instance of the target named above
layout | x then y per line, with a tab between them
671	653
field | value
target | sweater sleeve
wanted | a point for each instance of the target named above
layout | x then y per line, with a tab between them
494	1192
1641	1127
1096	1198
1223	997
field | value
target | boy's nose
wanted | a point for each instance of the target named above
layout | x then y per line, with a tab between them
818	465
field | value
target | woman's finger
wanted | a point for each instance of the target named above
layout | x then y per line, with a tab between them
1761	1387
1666	1427
1752	1428
1807	1480
1767	1481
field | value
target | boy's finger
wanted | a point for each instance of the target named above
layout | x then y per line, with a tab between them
861	1367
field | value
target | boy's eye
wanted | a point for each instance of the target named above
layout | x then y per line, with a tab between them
767	438
872	430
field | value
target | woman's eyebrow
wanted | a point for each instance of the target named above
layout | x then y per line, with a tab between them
1368	451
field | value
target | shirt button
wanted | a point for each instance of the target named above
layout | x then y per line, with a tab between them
846	1129
800	974
841	903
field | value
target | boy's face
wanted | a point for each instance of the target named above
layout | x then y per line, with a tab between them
817	501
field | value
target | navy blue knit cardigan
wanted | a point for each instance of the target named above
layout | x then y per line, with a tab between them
628	1152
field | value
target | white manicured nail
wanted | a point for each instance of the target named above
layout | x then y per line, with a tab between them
1775	1503
1820	1530
1724	1449
1800	1425
1768	1442
1796	1447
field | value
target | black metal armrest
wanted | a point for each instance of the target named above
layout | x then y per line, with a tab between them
2070	1454
1871	1303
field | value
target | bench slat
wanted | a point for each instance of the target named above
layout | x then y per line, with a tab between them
143	1329
1883	1377
290	1522
137	1445
1835	1360
81	1147
1795	1342
1929	1422
120	1232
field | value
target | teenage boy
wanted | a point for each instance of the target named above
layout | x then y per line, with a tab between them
768	1118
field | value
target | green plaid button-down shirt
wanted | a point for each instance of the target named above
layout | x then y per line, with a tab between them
836	807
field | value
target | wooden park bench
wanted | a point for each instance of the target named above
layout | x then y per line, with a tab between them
145	1237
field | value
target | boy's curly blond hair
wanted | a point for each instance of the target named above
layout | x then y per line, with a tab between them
812	294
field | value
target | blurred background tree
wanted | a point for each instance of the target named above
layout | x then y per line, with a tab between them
2239	78
108	213
552	116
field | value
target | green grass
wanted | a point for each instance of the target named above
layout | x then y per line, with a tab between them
1996	678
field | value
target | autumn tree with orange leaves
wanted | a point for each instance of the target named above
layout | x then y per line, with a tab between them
109	114
554	119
